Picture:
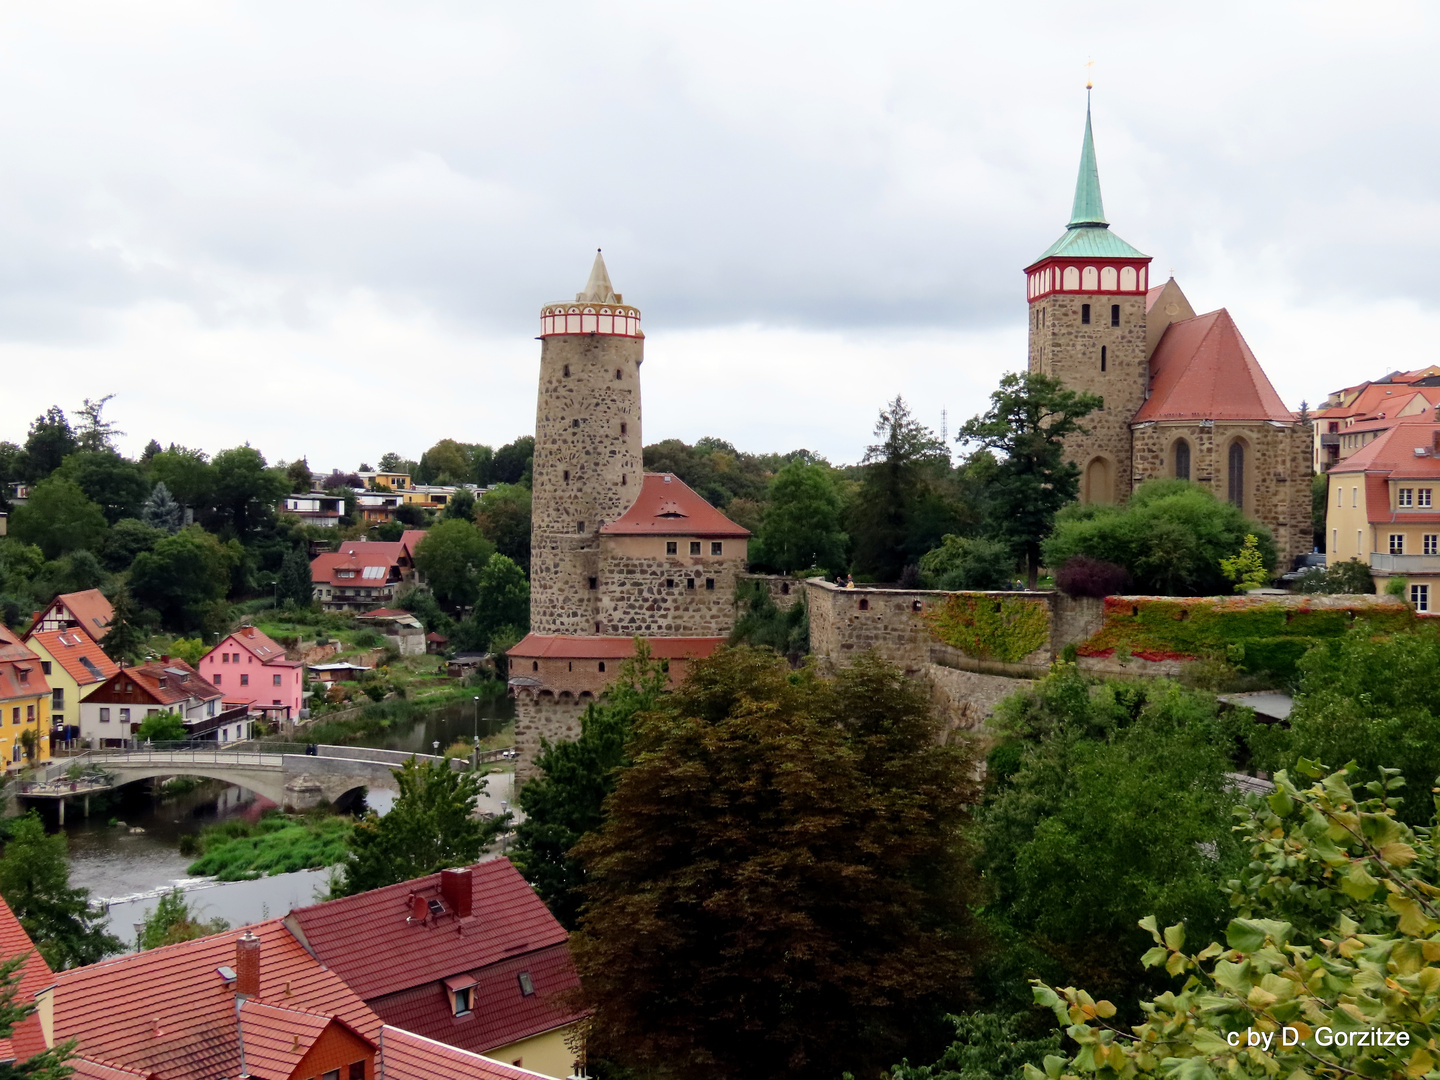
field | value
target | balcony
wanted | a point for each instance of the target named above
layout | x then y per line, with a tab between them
1404	564
1328	439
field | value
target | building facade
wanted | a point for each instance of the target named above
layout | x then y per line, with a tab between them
249	668
73	665
1183	396
24	704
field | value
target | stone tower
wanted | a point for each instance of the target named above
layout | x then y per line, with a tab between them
1087	328
588	467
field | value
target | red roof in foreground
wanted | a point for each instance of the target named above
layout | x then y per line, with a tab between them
27	1040
604	648
412	1057
667	507
76	652
1203	370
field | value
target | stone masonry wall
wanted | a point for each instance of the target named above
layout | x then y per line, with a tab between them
1277	472
645	591
783	589
1062	346
967	698
537	716
587	471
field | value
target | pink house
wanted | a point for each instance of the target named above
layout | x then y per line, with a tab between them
250	669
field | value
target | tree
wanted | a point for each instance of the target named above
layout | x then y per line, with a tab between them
246	489
1106	804
14	465
763	623
1246	568
151	449
987	1046
124	640
300	477
801	527
1350	577
1029	418
430	826
502	602
447	462
450	556
893	486
50	442
161	511
460	506
35	882
58	518
295	585
502	515
117	486
565	802
968	563
173	920
162	727
392	462
513	461
184	576
97	434
188	476
1334	916
779	869
191	650
126	540
1171	536
49	1064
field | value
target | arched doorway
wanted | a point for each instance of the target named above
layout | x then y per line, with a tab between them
1098	482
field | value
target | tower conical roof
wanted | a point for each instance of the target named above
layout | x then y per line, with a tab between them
598	289
1088	208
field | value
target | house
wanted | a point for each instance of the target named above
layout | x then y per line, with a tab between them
395	481
378	507
315	508
19	492
1383	508
365	574
28	1038
250	669
88	611
468	957
24	703
436	642
74	664
399	628
111	714
435	496
1351	417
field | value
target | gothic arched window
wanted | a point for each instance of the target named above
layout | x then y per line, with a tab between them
1182	460
1237	475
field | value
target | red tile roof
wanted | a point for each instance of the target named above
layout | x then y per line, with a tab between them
1202	369
385	613
181	682
86	1069
605	648
256	642
412	1057
11	647
1152	294
277	1039
27	1039
80	656
667	507
167	1010
1394	451
410	540
20	673
89	609
325	568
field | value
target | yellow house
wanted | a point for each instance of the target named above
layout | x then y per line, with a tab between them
395	481
1384	509
24	704
74	664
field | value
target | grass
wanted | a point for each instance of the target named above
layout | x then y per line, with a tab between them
276	844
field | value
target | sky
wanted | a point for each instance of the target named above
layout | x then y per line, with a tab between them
328	228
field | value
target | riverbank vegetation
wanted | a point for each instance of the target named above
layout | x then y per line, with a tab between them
379	717
173	920
276	844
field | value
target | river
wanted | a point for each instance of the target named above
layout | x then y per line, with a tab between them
126	863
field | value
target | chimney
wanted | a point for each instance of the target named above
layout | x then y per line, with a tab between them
455	890
1435	443
164	658
247	965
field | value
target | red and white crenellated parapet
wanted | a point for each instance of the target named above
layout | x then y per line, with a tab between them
620	320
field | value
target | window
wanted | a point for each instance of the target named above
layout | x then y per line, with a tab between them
716	547
244	680
1360	541
45	666
218	678
689	583
1405	497
333	1074
1397	543
224	657
29	714
1335	541
1432	544
567	476
579	526
1085	314
1182	460
1237	475
594	583
864	603
574	423
602	667
1422	496
357	1070
1420	597
1339	496
671	547
275	680
709	584
1354	497
624	427
57	698
104	715
694	547
527	987
124	716
1102	357
1114	314
462	1000
617	373
669	583
622	480
565	371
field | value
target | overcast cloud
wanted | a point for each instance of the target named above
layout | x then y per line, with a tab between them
328	228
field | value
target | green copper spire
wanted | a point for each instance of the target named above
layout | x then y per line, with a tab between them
1088	209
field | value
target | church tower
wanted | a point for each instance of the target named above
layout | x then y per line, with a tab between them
1087	328
588	467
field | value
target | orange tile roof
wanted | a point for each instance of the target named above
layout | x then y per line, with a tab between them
256	642
167	1011
606	648
666	506
87	1069
11	647
277	1039
1394	451
326	568
181	681
79	654
413	1057
27	1039
89	609
1202	369
20	673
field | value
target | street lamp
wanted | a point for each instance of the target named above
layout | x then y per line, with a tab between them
477	719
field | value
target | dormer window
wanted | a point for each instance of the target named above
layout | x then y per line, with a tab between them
462	994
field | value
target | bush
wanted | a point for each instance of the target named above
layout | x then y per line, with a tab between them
368	639
962	562
1351	577
1084	576
1395	586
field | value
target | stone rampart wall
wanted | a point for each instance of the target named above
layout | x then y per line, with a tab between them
645	592
546	716
967	698
783	590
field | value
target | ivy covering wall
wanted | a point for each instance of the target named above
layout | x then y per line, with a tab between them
988	627
1254	634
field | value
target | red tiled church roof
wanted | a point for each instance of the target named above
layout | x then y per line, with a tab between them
1203	370
666	506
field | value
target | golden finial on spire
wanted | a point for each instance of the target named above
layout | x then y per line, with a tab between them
1089	75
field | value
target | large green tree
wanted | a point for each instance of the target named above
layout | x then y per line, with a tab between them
187	474
1170	535
512	462
114	484
184	577
502	605
247	490
58	518
503	517
51	441
35	882
801	526
565	802
161	511
431	826
894	487
294	583
94	433
124	640
1027	422
779	886
451	556
963	562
